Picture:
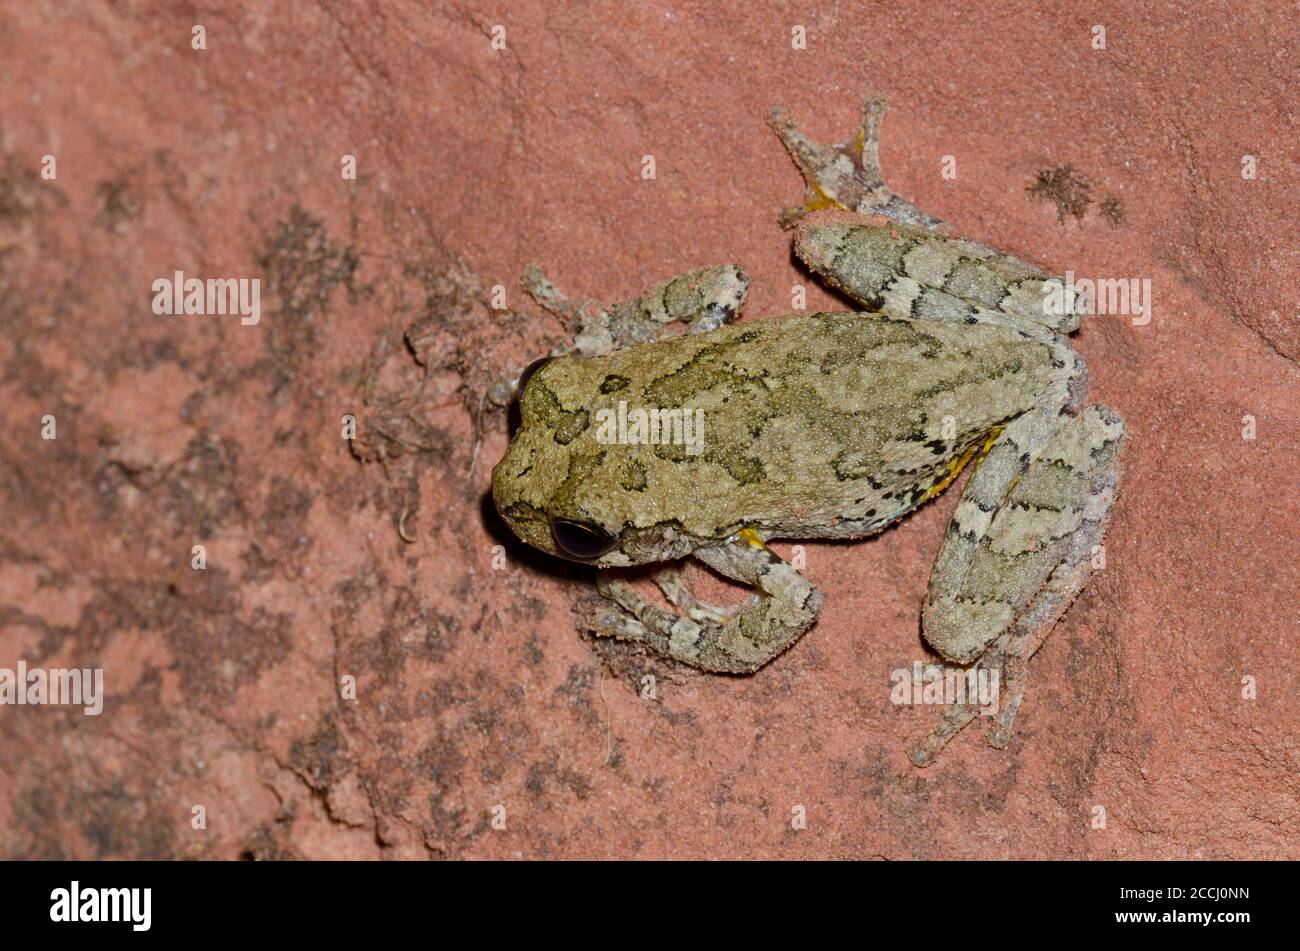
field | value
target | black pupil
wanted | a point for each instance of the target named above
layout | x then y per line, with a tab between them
581	541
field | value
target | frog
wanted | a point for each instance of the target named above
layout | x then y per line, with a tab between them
823	426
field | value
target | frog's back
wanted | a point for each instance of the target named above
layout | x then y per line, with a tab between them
812	425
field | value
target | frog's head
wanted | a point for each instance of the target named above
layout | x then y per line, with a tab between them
569	494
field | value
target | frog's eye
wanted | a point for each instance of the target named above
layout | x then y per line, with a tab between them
527	374
581	540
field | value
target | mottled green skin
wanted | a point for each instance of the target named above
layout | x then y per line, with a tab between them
815	426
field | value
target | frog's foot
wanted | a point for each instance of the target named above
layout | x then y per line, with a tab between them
585	320
1020	547
715	639
995	685
846	175
1007	657
549	297
926	750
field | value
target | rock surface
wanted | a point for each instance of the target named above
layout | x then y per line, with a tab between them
477	698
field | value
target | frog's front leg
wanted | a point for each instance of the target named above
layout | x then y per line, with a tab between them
1010	567
846	175
721	640
674	587
702	300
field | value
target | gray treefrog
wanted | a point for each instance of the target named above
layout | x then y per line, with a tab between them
823	426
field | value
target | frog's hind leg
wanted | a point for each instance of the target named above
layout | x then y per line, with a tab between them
908	271
719	639
1001	583
1072	573
846	175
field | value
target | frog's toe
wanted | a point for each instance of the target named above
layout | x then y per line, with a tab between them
1000	734
541	289
1003	670
605	617
618	624
845	175
927	749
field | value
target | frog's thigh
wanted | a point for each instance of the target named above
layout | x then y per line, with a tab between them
1100	429
998	555
1074	569
748	638
910	271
